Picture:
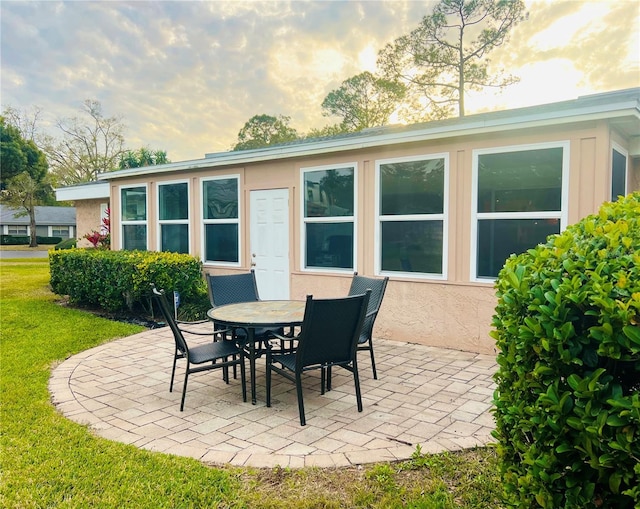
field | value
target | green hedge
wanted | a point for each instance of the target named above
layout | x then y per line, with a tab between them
567	404
21	240
120	280
66	244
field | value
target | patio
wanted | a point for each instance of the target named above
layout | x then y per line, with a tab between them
434	397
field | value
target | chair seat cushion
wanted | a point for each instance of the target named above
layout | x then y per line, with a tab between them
211	351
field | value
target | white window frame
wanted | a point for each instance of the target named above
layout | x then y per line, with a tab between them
162	222
562	214
136	222
413	217
69	231
625	153
17	227
205	222
337	219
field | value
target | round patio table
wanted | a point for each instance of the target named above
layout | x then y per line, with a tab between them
254	315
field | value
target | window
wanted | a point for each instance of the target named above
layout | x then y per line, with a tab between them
133	213
15	229
618	173
412	210
519	199
173	217
221	221
328	225
60	231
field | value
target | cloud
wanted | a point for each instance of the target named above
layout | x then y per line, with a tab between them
186	76
565	49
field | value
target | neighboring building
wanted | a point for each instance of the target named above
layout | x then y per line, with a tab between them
91	200
50	222
437	207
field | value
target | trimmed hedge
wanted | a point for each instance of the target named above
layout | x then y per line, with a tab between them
21	240
66	244
567	404
120	280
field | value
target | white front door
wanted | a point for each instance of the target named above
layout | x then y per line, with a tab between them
270	242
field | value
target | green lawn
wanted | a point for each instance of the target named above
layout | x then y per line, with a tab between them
48	461
22	247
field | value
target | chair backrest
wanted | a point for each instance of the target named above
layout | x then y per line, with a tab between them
232	288
359	284
330	330
161	299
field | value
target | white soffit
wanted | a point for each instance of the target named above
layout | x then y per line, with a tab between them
89	191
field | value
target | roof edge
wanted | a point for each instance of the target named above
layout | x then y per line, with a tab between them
585	108
84	191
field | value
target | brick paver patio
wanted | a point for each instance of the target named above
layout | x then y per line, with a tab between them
437	398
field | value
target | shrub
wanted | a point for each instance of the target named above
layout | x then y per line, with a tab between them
120	280
567	403
14	240
24	240
66	244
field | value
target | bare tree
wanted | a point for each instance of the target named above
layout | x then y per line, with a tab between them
26	121
90	145
447	53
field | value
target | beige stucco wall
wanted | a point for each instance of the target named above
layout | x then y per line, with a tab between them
87	218
455	313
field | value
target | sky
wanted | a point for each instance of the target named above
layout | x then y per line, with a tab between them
185	76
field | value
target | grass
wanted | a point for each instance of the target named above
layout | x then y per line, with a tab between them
49	461
23	247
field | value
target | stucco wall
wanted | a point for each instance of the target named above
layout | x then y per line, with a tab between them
87	219
456	316
454	313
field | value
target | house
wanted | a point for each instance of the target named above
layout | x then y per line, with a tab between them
50	222
91	201
437	207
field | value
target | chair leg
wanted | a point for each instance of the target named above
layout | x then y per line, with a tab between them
225	371
329	378
373	361
356	380
184	388
323	372
303	422
173	371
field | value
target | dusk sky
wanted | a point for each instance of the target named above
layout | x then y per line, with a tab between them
185	76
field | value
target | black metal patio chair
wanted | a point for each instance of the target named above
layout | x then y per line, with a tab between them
234	288
359	284
328	337
213	355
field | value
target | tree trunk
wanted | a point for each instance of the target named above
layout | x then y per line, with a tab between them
33	239
461	74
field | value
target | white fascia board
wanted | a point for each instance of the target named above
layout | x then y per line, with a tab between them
474	124
83	192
